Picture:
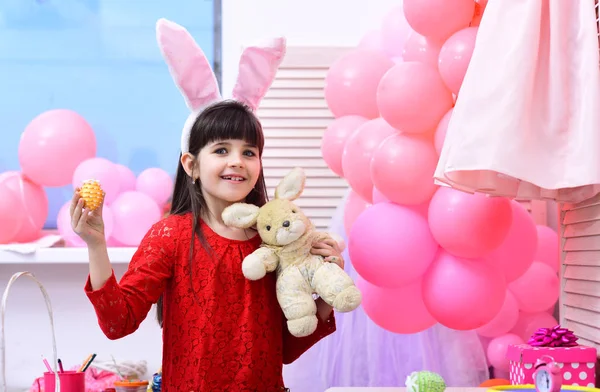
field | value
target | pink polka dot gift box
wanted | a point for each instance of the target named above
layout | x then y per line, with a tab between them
577	363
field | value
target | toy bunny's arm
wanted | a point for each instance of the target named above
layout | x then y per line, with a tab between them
256	265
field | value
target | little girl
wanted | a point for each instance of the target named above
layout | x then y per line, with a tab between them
221	332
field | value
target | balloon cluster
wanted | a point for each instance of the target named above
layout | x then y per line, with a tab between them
427	254
58	148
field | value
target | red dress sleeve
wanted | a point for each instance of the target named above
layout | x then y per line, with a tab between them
121	307
294	347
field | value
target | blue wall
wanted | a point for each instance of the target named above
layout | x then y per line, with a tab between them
99	58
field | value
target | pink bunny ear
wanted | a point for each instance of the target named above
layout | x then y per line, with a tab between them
187	64
258	67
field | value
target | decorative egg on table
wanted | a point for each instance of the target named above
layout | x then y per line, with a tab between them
425	381
92	194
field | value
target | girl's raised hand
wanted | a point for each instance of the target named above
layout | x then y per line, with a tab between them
87	224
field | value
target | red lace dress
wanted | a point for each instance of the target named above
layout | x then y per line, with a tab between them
221	332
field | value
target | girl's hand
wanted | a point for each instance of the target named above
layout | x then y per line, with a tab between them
87	224
330	250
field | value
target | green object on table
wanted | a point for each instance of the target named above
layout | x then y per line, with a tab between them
425	381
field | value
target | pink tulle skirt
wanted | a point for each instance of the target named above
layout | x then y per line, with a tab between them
527	119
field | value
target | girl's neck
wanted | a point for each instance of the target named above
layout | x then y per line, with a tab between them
213	218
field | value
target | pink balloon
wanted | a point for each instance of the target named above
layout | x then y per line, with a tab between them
399	310
504	321
354	206
496	351
390	245
32	200
156	183
528	323
462	294
134	213
516	253
413	98
351	83
402	169
12	214
548	249
469	225
102	170
373	40
438	19
53	145
440	131
537	289
379	197
394	32
422	49
455	57
358	151
63	225
334	140
127	179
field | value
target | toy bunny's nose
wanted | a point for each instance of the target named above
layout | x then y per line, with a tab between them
286	223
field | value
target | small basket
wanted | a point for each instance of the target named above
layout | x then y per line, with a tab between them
12	280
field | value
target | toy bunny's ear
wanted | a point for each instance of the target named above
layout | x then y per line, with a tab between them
188	65
240	215
291	186
258	67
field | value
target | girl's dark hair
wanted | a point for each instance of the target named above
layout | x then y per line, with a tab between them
221	121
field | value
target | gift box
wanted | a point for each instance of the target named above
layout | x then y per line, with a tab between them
577	363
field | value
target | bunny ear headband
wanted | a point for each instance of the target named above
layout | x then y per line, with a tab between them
196	81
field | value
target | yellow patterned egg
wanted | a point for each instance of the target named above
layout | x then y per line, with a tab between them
92	194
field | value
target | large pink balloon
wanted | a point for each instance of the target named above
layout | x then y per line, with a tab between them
469	225
462	294
496	351
399	310
537	289
12	214
440	131
134	213
422	49
53	145
102	170
394	32
402	169
438	19
33	201
504	321
334	140
548	249
355	205
516	253
351	83
358	151
390	245
528	323
127	179
413	98
379	197
455	56
156	183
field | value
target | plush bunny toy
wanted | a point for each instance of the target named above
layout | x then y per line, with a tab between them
288	236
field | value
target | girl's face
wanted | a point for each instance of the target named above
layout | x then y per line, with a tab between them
228	169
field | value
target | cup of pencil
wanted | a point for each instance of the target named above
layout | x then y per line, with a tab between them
70	380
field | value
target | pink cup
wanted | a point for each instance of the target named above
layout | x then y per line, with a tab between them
70	381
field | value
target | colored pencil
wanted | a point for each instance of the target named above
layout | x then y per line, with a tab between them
89	363
47	365
85	363
60	366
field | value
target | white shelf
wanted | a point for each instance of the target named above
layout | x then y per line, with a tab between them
62	255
